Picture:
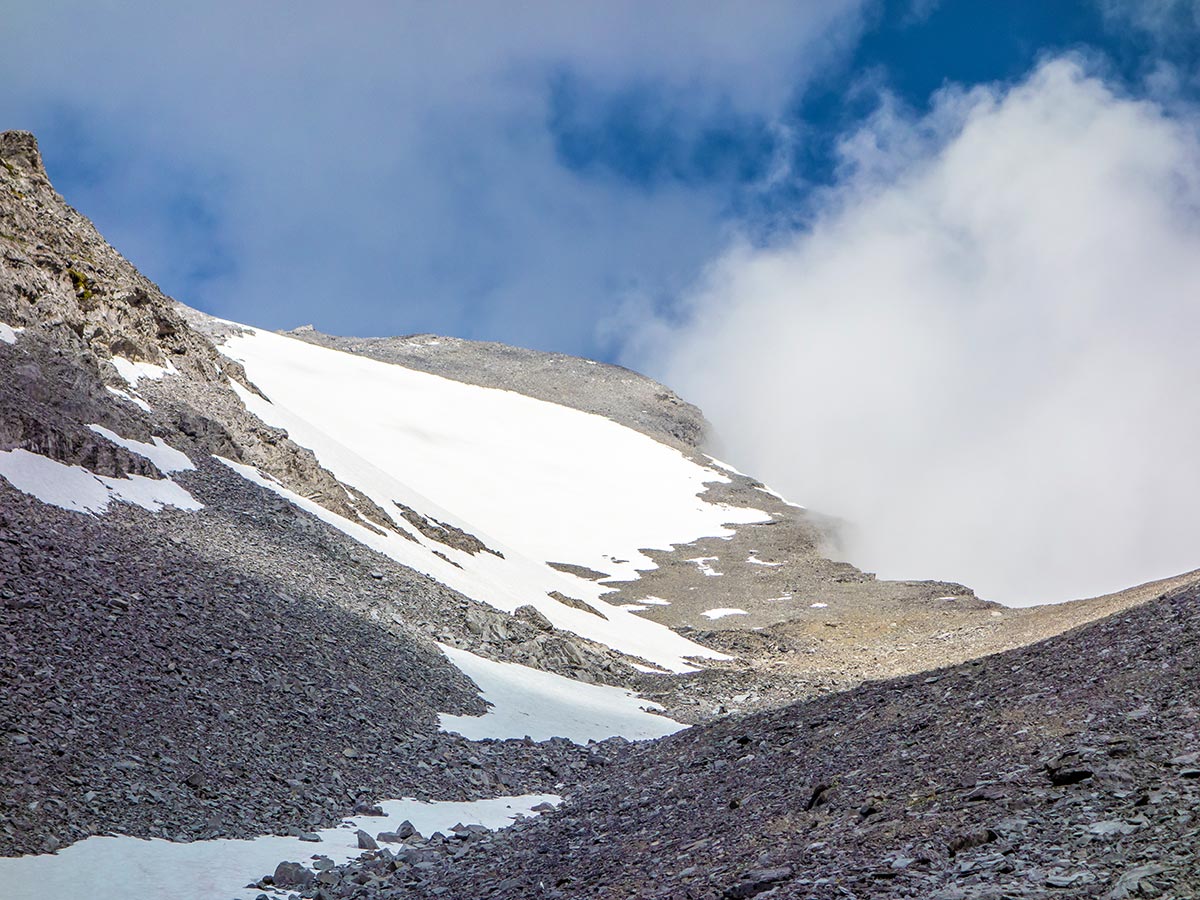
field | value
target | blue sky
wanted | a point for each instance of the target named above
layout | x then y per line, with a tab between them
546	177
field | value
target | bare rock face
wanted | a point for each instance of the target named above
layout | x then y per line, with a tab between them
81	305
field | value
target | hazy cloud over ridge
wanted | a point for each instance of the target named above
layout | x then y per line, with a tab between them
983	353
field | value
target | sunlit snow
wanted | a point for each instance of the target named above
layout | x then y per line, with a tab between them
554	483
8	334
125	868
167	458
133	372
511	582
130	398
75	488
543	705
722	611
702	563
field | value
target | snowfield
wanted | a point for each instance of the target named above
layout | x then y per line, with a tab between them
722	611
133	372
126	868
535	481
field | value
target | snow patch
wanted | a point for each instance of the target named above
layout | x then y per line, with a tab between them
77	489
778	496
8	334
655	601
702	563
133	372
127	868
130	398
168	459
722	611
818	605
543	705
649	670
755	561
725	466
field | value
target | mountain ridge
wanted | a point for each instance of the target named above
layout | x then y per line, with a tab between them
286	571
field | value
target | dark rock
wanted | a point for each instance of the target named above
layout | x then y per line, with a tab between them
365	841
292	874
757	881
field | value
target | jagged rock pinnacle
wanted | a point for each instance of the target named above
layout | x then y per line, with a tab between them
20	148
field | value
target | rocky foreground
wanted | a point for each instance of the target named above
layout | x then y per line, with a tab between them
1070	768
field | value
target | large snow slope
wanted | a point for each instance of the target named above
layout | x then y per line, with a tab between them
536	482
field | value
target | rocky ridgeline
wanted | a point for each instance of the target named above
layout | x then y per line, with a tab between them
1070	768
614	392
82	304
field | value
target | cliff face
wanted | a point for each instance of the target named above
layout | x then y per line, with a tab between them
87	314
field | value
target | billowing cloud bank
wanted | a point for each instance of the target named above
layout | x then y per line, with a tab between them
983	353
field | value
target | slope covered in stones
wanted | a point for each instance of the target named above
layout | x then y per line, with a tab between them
1068	768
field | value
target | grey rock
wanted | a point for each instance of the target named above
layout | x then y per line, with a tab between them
365	841
292	874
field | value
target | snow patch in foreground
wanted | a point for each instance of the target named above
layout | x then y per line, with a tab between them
126	868
543	705
8	334
722	611
167	458
77	489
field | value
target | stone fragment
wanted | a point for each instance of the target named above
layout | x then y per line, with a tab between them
292	874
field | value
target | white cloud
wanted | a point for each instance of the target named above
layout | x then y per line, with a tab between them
387	167
1161	19
983	352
